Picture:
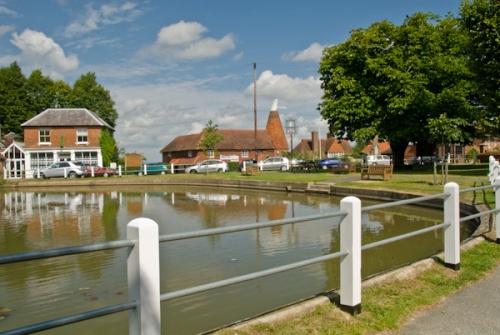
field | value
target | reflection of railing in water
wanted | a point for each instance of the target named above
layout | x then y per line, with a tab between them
143	257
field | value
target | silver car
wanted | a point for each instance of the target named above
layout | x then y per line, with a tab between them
275	163
62	170
209	165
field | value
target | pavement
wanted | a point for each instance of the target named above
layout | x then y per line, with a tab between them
470	311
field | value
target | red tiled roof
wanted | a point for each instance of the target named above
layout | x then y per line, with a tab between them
233	140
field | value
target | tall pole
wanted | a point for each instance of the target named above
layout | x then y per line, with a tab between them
255	107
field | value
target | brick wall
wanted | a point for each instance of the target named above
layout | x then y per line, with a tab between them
69	134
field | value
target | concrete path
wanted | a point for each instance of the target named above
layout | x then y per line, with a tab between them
472	310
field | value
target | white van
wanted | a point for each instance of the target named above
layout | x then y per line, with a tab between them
376	160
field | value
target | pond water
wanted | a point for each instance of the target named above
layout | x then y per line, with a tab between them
42	290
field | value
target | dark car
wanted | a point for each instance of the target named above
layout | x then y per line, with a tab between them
430	159
152	168
247	163
98	171
330	163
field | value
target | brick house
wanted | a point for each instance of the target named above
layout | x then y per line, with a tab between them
237	145
56	135
330	147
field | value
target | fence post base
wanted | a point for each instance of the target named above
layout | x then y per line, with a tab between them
353	310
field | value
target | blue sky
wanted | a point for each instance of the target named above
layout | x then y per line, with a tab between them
171	66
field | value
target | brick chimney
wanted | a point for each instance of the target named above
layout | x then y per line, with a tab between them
314	142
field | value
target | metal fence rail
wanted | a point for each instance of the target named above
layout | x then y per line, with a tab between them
142	245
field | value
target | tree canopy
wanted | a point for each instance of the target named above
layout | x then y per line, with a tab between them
22	98
481	24
390	81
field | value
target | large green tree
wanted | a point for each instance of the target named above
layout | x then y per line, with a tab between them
390	80
14	106
481	23
87	93
39	93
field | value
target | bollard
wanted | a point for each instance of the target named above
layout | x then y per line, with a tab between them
452	232
143	273
350	264
496	189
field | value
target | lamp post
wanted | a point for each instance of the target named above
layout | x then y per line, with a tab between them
290	128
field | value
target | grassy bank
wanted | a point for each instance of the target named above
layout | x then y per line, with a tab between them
386	307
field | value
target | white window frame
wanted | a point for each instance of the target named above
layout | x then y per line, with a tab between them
244	153
44	136
190	153
210	154
82	136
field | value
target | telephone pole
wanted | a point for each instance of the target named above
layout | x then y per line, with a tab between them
255	107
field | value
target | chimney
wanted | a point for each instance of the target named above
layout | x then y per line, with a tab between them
314	142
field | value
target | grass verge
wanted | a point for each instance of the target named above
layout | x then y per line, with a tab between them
386	307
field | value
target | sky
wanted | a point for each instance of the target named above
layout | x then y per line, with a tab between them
172	66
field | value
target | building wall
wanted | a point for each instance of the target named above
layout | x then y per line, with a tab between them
31	137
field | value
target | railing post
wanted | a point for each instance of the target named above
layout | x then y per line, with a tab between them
496	189
143	269
452	232
350	265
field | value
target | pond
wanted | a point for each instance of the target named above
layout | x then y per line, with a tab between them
35	291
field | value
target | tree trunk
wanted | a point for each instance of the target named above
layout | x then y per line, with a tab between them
398	154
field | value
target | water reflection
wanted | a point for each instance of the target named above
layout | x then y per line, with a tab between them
41	290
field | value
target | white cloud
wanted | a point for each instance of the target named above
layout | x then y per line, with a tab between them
41	52
186	41
5	29
5	10
312	54
104	15
284	87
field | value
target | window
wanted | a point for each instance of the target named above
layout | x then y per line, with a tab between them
44	136
210	154
244	153
41	160
87	157
82	136
190	153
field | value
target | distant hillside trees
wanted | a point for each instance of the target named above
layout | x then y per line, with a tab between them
22	98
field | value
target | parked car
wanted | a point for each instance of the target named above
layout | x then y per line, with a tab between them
274	163
413	161
376	160
430	159
98	171
247	163
152	168
209	165
62	169
330	163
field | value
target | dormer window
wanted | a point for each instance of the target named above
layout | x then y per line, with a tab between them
82	136
44	136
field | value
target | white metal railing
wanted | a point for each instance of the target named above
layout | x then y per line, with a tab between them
143	258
